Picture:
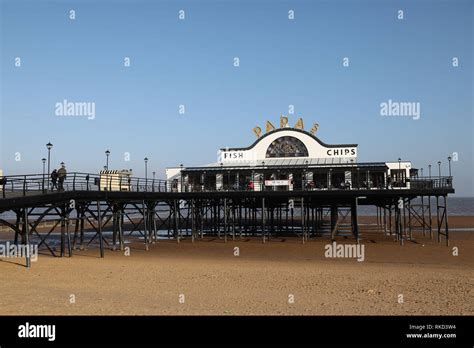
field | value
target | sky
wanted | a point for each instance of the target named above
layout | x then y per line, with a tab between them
190	62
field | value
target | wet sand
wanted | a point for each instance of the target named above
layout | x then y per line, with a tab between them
423	275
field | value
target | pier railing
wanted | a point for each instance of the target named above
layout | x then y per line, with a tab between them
22	185
39	183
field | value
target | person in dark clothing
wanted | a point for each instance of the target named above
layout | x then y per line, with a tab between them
54	179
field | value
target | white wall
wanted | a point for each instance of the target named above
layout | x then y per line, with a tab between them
315	150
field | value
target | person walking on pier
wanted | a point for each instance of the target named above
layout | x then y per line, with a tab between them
54	179
61	176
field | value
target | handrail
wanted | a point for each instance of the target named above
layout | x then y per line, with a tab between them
78	181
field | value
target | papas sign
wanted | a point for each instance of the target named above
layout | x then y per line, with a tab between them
284	124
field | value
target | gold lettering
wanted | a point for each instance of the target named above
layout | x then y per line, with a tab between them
257	130
314	128
283	121
299	124
269	126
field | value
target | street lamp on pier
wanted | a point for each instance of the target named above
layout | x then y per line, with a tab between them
449	163
439	173
107	153
44	163
146	172
49	146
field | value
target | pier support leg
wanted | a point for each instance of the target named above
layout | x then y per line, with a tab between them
17	226
120	227
334	217
76	227
153	219
355	223
193	220
99	225
398	221
114	228
68	234
263	220
81	229
303	221
225	220
446	229
176	221
145	224
26	233
63	231
430	219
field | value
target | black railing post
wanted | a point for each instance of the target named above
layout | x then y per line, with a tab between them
74	182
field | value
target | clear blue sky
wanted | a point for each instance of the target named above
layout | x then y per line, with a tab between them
190	62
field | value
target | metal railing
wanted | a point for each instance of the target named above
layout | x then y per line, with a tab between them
22	185
39	183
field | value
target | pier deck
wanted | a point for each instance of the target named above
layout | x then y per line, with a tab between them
157	205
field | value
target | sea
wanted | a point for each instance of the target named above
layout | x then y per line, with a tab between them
457	206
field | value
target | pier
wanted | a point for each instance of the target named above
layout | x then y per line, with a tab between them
190	212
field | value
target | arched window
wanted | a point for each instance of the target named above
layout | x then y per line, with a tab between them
287	147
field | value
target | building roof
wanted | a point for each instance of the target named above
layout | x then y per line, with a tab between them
288	163
287	129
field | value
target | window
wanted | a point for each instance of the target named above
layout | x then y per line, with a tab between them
287	147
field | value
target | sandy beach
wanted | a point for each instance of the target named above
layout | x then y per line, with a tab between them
281	277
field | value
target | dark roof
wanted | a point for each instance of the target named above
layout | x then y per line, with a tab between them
246	166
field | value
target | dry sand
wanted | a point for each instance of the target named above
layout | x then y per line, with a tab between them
213	281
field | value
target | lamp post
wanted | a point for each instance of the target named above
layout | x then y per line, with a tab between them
263	174
107	153
429	170
44	162
146	173
49	146
439	173
421	170
449	163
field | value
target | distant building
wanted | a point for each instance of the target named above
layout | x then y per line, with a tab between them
291	159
